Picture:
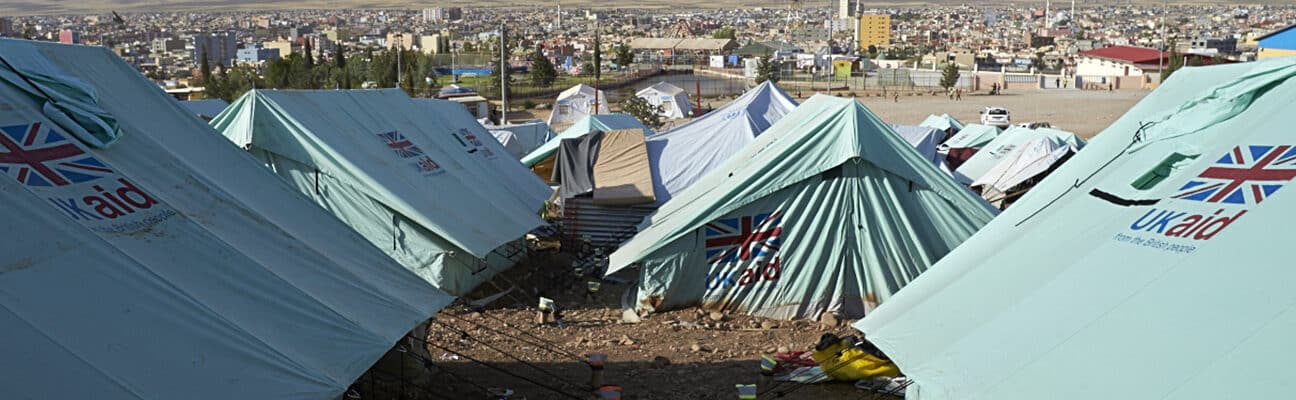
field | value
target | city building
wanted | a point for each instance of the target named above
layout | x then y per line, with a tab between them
257	54
436	15
6	26
874	30
68	36
1280	43
404	40
1218	44
434	44
283	46
217	48
847	8
163	45
1120	61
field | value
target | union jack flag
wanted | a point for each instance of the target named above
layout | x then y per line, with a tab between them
1246	175
37	156
733	239
398	143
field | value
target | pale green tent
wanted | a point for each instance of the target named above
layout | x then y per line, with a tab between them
972	136
1137	270
601	122
433	194
825	211
942	122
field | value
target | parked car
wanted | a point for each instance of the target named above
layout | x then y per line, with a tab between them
995	116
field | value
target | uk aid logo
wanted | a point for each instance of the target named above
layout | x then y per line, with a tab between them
1241	179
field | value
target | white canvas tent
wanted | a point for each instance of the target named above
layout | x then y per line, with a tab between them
1006	145
682	155
926	140
1173	285
1034	158
674	102
149	258
576	103
429	188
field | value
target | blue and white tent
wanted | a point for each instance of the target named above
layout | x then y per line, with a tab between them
681	156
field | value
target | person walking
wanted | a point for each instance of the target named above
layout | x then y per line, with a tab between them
1057	83
958	94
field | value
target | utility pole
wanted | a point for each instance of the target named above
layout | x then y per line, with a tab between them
504	67
1161	57
400	44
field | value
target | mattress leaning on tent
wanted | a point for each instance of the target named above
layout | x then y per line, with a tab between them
541	159
154	260
825	211
680	156
1171	281
412	182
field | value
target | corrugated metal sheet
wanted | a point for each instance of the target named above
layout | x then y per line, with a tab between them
605	226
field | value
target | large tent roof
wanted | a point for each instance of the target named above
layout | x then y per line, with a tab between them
601	122
926	140
683	155
461	195
1120	265
203	277
825	133
206	108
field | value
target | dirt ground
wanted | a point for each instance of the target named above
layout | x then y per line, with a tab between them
1084	112
680	354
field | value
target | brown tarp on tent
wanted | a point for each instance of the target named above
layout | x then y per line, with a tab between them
621	173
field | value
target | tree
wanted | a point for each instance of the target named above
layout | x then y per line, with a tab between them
766	70
624	55
639	108
342	76
724	33
498	69
1176	62
872	51
310	59
598	56
543	72
950	76
204	65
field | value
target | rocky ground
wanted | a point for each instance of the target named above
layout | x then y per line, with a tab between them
680	354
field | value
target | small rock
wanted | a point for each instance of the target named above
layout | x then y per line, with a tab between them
717	316
771	350
829	319
783	349
630	317
660	362
626	341
697	348
768	325
475	315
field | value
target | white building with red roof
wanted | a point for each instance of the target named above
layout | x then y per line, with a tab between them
1120	61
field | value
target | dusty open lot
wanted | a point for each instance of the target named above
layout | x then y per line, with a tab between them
1084	112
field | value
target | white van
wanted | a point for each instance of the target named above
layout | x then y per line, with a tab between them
995	116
